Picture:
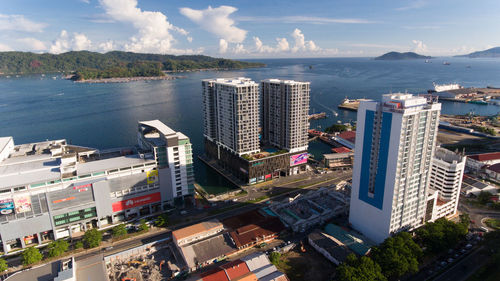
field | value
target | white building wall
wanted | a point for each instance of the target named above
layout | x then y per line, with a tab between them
402	205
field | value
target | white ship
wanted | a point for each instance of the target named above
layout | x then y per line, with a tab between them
446	87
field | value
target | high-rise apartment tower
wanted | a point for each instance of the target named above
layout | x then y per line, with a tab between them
395	141
285	113
231	114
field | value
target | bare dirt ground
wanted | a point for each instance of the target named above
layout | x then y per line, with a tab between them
472	144
306	266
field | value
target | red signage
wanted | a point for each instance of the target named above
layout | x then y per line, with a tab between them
85	186
136	202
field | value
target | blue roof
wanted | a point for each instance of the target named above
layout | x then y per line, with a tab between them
352	241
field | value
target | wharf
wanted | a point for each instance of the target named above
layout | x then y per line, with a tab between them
351	105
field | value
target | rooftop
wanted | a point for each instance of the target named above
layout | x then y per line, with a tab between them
348	136
196	229
216	274
160	126
235	269
236	82
338	155
208	249
485	156
495	168
354	243
288	82
341	149
337	250
447	155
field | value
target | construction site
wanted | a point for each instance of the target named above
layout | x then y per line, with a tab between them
144	263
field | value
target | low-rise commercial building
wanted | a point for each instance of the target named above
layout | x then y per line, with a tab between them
476	162
51	190
339	161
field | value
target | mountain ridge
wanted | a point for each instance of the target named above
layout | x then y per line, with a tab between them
401	56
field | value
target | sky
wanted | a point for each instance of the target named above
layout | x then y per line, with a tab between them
251	28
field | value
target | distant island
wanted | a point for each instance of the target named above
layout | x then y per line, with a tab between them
490	53
85	65
401	56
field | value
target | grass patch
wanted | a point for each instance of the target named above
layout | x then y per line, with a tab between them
493	223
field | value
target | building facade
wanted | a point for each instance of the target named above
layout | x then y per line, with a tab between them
445	183
52	190
395	141
285	113
231	111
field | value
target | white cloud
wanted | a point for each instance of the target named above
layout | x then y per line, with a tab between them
190	39
240	49
223	45
20	23
420	47
281	46
32	44
301	44
153	27
413	5
65	43
217	21
81	42
305	19
5	48
85	1
106	46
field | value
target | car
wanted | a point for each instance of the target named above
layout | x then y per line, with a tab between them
184	212
456	255
468	246
443	263
450	260
463	251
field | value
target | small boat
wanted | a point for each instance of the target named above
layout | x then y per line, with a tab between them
54	77
427	61
467	66
310	67
446	63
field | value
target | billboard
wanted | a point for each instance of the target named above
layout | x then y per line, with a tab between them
298	159
6	206
136	202
22	203
82	188
152	176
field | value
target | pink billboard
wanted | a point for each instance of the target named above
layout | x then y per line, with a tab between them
299	159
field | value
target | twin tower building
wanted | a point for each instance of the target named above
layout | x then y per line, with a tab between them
256	131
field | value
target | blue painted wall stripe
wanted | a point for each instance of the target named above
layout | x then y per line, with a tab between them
378	196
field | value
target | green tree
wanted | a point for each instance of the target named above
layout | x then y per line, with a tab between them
78	245
441	235
119	230
3	265
362	269
31	255
275	258
336	128
57	248
143	226
162	220
398	255
92	238
484	197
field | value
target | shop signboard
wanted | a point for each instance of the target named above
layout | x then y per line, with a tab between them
136	202
22	203
152	176
6	207
298	159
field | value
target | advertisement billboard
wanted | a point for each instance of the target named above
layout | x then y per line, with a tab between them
6	206
22	203
152	176
298	159
136	202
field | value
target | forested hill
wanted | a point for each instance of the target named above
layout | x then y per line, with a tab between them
26	62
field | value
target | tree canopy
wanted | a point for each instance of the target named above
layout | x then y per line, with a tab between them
398	255
442	234
336	128
359	269
92	238
111	64
3	265
119	230
57	248
162	220
31	255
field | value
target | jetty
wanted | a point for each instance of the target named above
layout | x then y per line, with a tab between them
316	116
351	105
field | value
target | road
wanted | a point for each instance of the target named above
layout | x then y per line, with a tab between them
465	267
166	233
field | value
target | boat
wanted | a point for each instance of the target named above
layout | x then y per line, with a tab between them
482	102
54	77
468	66
446	63
310	67
427	61
446	87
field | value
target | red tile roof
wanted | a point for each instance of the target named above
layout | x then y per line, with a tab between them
485	156
495	168
341	149
235	269
348	136
216	274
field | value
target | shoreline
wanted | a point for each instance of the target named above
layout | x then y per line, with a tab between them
129	79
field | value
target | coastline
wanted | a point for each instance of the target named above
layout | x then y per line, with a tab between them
129	79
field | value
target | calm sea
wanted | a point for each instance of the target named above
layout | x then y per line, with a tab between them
35	108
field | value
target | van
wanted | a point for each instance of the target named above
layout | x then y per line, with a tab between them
484	229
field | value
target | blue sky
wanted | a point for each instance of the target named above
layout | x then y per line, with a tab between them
251	28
